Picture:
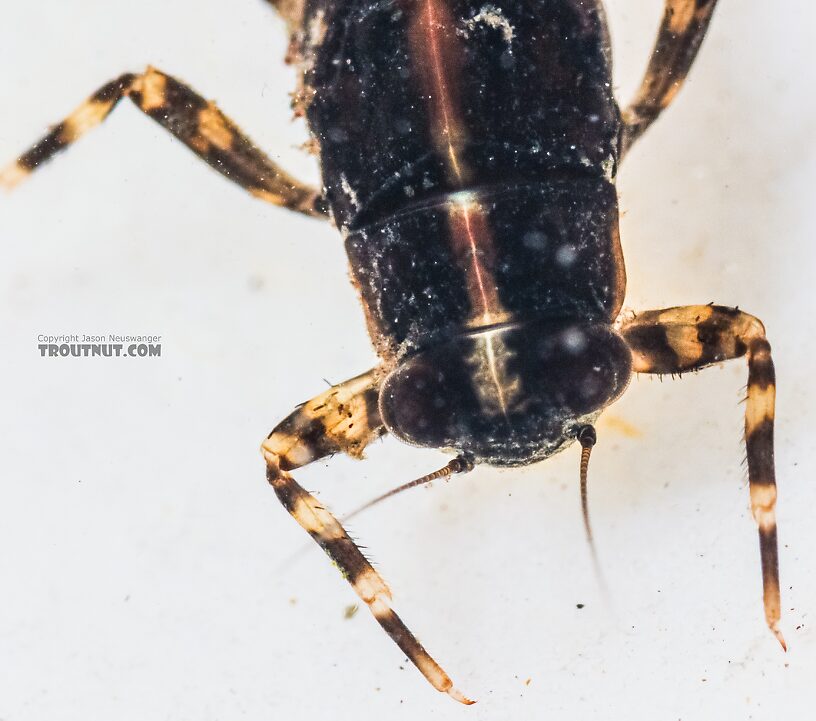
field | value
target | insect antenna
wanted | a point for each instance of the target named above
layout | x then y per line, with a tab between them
460	464
587	438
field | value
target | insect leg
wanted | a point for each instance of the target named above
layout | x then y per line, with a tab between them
290	10
674	340
344	418
681	32
197	122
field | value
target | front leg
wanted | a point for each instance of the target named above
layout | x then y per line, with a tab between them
687	338
344	418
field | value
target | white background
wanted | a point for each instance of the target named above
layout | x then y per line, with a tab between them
146	567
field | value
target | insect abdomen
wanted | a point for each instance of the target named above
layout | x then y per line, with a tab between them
497	255
415	98
467	150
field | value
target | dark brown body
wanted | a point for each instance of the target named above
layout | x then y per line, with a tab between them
468	154
468	151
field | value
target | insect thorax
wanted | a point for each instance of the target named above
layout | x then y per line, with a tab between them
510	395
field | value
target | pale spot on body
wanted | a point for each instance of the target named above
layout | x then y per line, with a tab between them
13	174
85	117
497	389
152	86
759	408
279	444
683	340
566	255
213	126
574	340
682	14
299	455
370	587
670	93
268	196
311	516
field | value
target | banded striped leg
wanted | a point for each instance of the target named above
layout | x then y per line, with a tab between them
675	340
197	122
682	30
344	418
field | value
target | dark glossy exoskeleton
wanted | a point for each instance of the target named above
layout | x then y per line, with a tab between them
469	151
481	222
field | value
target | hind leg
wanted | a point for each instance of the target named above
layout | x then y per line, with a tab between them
197	122
681	33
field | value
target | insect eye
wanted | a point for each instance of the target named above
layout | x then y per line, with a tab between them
508	395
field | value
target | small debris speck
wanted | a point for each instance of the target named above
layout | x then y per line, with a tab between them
350	611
